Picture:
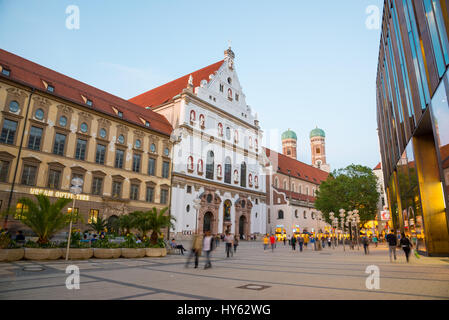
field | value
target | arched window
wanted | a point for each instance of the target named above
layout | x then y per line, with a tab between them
285	185
299	189
307	190
210	165
280	214
293	187
276	182
296	213
243	175
228	169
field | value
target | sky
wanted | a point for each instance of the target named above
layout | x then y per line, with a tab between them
301	63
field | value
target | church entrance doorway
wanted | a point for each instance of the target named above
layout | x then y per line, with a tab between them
242	223
207	223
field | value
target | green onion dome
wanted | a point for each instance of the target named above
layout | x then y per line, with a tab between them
317	132
289	134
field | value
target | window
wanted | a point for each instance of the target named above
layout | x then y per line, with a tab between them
305	215
8	131
97	186
80	152
153	148
138	144
189	189
276	182
164	196
136	162
152	167
119	156
14	106
50	88
280	214
116	189
236	97
89	102
39	114
121	139
228	133
221	88
243	175
84	127
210	165
93	216
100	154
165	169
6	72
147	124
166	152
4	169
28	175
58	147
120	114
228	170
150	194
63	121
34	141
134	194
296	213
313	216
54	179
103	133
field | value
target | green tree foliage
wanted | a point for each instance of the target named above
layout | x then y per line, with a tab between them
43	217
152	221
99	225
354	187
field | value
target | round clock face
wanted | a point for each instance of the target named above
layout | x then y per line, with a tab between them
14	106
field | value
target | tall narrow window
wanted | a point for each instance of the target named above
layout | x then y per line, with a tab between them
116	189
243	175
100	154
80	152
150	194
151	166
136	162
134	193
28	175
4	169
210	165
164	196
34	140
165	169
97	184
8	131
58	147
54	179
119	157
228	170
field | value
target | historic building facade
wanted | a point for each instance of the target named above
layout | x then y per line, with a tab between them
218	160
291	190
55	128
413	119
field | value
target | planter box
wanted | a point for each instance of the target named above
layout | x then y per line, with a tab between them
42	254
78	253
155	252
133	252
8	255
101	253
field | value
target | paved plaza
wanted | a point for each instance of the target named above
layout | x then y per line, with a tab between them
282	274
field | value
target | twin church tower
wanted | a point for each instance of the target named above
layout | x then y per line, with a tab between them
317	145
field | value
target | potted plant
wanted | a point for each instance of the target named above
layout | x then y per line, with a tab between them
154	221
103	249
132	249
9	250
79	250
45	219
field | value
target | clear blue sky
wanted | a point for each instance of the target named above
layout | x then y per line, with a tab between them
301	63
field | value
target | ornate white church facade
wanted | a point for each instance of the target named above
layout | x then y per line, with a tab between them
217	157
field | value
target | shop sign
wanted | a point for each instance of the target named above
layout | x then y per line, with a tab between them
59	194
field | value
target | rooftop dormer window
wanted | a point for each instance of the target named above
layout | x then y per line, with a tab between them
6	72
147	124
89	102
120	114
50	88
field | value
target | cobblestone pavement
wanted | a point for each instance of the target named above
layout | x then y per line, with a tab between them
282	274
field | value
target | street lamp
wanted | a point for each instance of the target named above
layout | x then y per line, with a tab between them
76	189
196	206
342	219
357	221
317	242
332	218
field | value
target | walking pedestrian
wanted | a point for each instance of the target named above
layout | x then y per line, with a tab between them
300	242
329	241
284	239
306	240
293	242
375	241
272	242
265	242
197	245
323	242
228	240
392	243
217	240
406	245
236	243
365	242
208	244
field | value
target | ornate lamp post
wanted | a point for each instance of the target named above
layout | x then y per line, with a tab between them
350	225
197	207
317	242
332	235
342	219
76	189
357	221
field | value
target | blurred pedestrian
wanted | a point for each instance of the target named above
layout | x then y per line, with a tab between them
392	244
375	241
300	242
406	245
265	242
293	242
329	241
197	245
236	243
228	240
365	242
284	239
306	239
272	242
208	247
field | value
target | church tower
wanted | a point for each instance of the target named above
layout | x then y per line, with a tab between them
289	143
318	148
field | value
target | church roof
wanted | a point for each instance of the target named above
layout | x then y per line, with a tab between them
378	167
34	75
317	132
166	92
298	169
289	134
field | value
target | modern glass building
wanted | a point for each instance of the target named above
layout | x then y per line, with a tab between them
413	119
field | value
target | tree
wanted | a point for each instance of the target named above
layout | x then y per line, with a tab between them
152	220
99	225
354	187
43	217
127	222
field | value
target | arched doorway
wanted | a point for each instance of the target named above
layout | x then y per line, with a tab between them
227	223
207	222
242	224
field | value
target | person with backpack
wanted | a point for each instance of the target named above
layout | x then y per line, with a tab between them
392	244
365	242
406	245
